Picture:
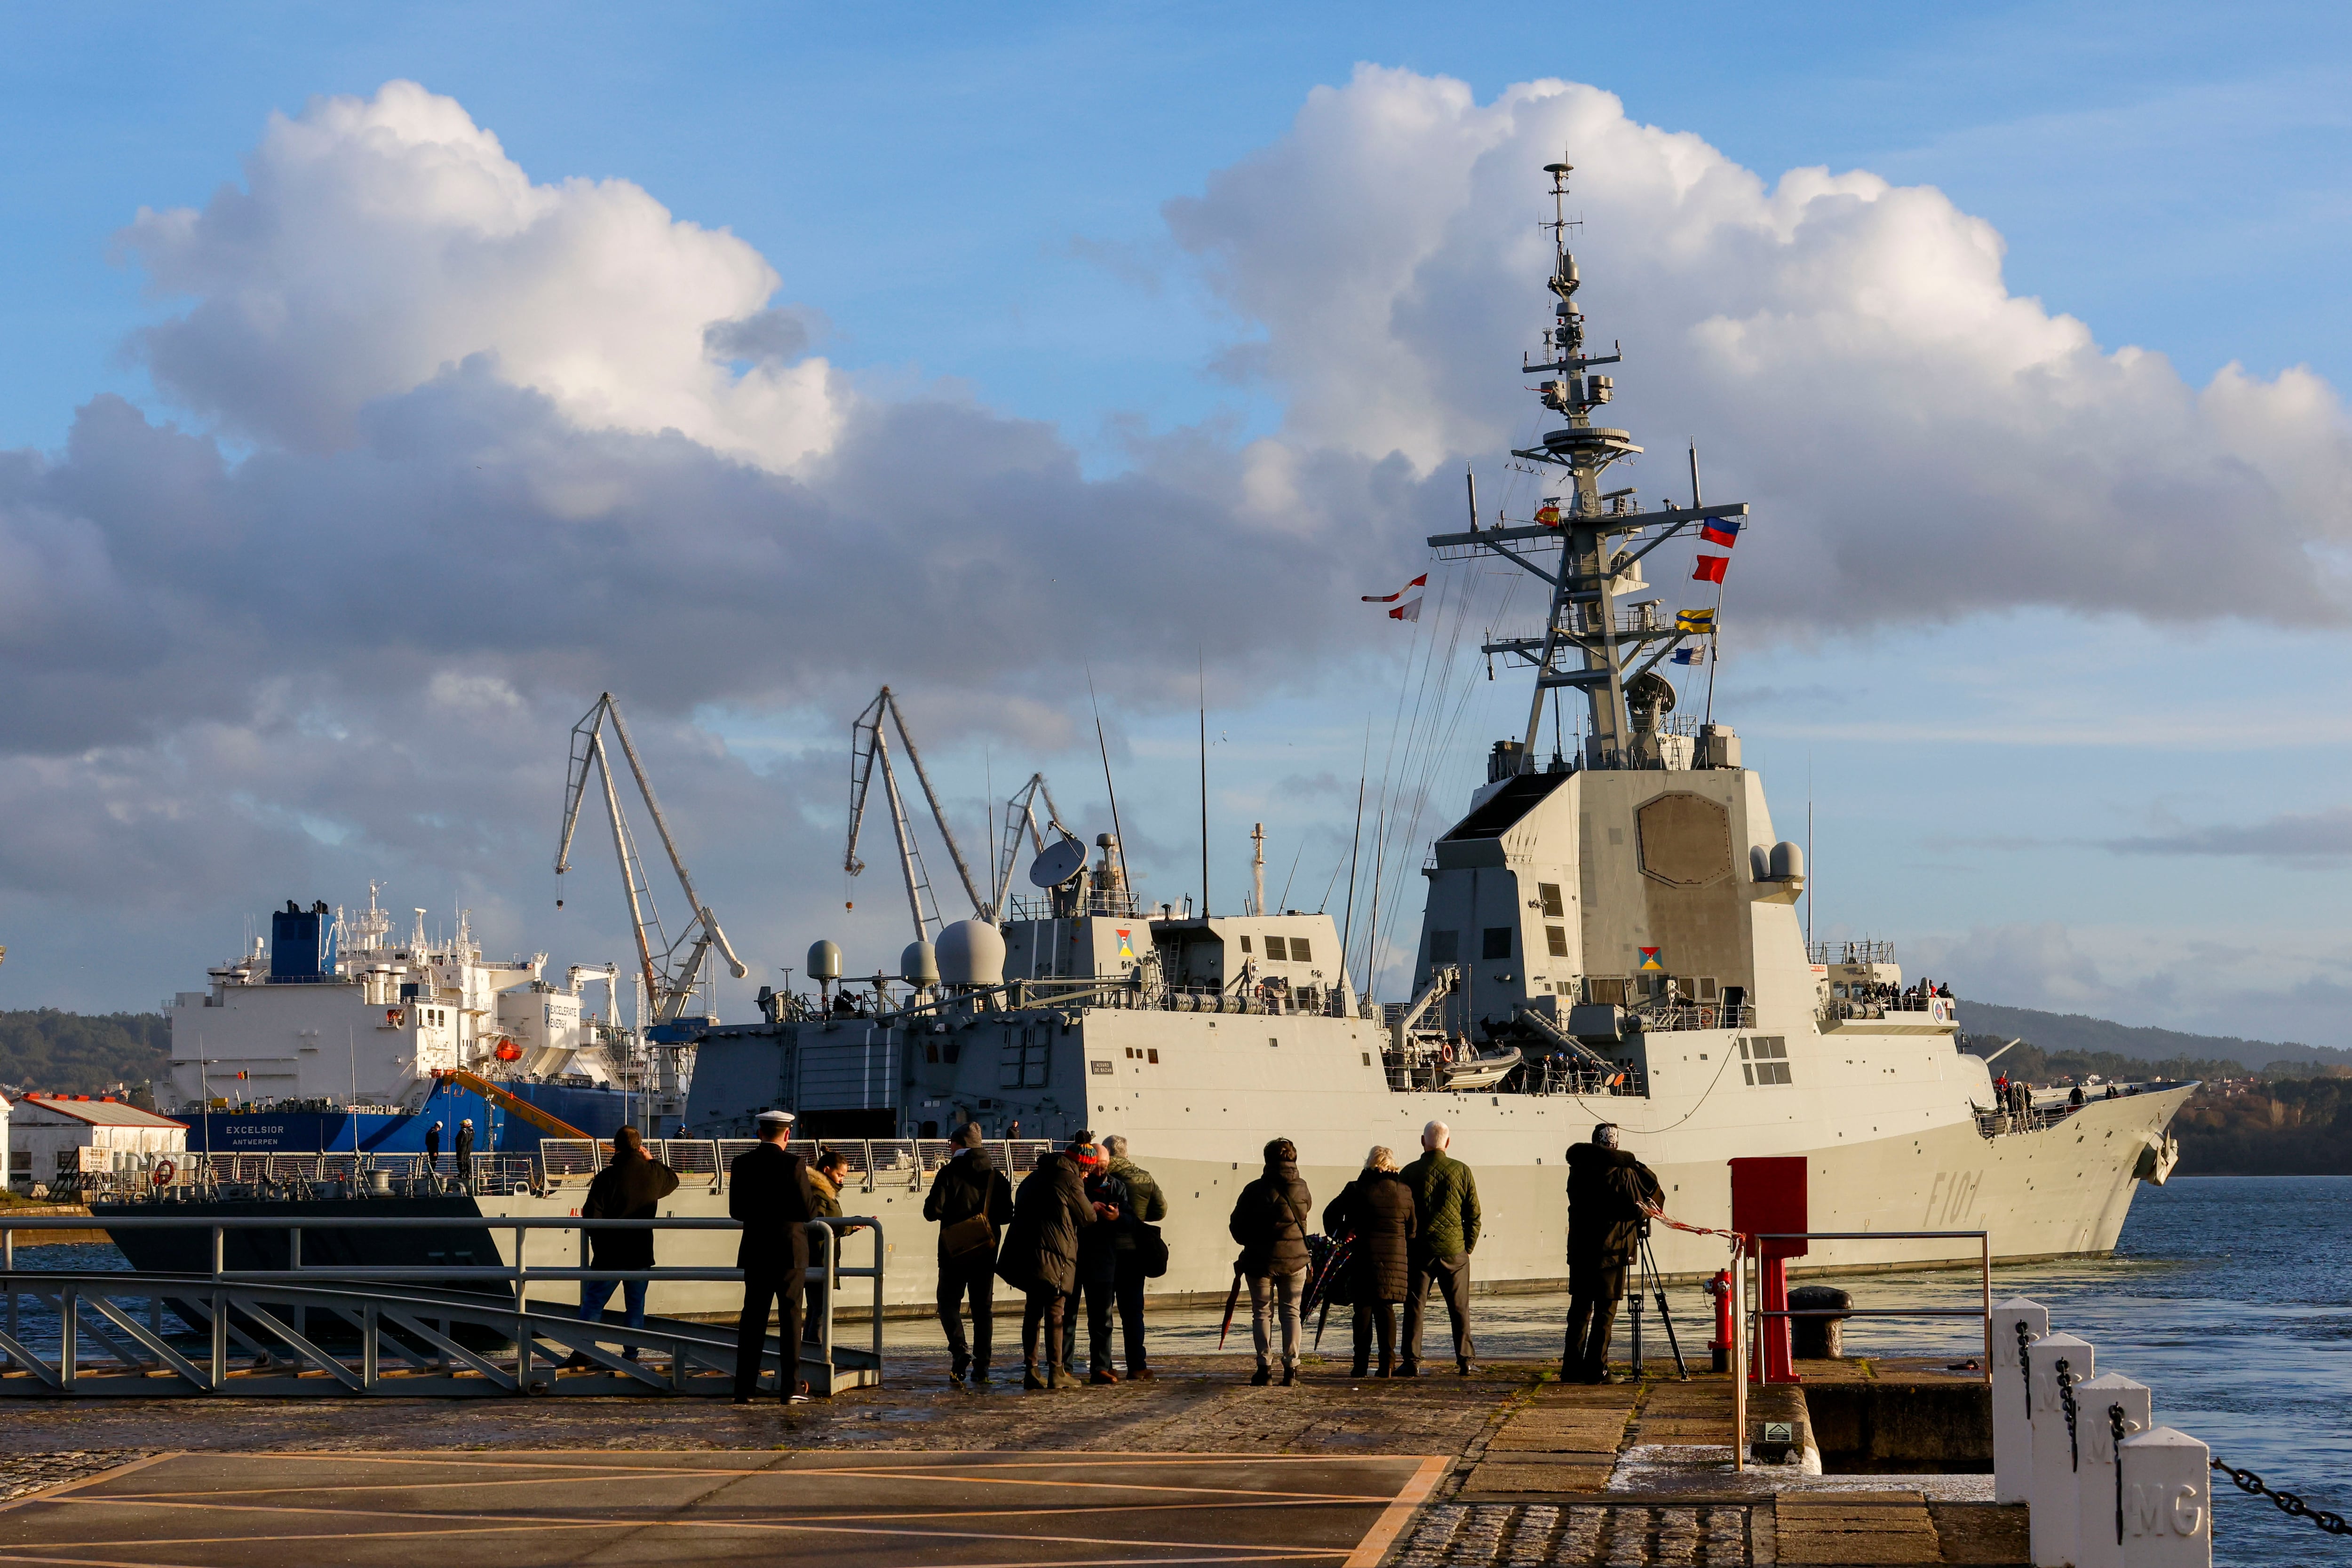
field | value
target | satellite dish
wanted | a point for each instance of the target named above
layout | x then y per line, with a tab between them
1058	865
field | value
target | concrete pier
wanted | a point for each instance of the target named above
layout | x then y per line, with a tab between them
1505	1467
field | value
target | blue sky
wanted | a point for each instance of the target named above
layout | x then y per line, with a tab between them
2128	810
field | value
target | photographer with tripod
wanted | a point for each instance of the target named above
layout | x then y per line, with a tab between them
1610	1196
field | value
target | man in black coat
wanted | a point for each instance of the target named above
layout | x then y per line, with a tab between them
768	1189
466	1153
972	1203
631	1187
433	1148
1611	1196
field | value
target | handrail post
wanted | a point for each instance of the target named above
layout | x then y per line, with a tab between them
220	1251
522	1329
1984	1244
1740	1356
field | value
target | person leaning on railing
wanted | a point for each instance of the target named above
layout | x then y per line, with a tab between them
631	1187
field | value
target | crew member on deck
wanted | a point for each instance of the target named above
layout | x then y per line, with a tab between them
768	1189
1611	1196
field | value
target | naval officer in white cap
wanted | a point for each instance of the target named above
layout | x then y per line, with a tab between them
768	1189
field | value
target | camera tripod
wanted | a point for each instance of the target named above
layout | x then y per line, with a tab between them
1647	1278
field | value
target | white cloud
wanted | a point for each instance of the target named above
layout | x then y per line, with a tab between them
1921	443
378	242
462	450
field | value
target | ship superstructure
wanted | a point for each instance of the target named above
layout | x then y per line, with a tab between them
336	1013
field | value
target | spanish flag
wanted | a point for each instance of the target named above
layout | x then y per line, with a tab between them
1693	619
1548	514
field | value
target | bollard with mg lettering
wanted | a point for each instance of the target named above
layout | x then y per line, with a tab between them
2013	1427
2058	1362
2103	1402
2168	1500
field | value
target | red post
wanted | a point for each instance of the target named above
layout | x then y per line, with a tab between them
1720	1347
1768	1198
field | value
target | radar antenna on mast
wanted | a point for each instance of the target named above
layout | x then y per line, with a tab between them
670	975
868	747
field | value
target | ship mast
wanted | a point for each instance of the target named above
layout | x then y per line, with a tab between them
1587	645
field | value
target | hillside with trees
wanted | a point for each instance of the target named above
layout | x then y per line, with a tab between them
82	1053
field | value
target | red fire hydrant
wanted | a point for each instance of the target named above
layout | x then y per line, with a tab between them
1720	1347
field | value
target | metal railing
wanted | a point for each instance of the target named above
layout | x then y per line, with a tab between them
1747	1322
388	1326
1668	1017
1940	1007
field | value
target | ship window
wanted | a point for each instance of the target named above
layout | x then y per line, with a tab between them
1152	1055
1706	989
1277	950
1549	893
1444	947
1772	1073
1299	950
1497	942
1273	1042
1606	992
1245	946
1771	1046
1745	1070
1686	988
1556	941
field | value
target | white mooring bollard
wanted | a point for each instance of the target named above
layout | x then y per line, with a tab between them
2168	1500
2099	1542
2013	1425
2055	1511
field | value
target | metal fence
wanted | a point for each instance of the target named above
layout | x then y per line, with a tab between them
451	1329
874	1163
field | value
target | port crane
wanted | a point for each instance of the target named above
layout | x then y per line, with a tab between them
869	754
672	970
1020	813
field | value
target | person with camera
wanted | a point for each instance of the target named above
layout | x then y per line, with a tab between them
971	1203
1098	1255
1611	1197
1374	1214
1269	1219
1141	1254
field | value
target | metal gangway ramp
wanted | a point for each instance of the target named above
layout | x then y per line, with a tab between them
443	1330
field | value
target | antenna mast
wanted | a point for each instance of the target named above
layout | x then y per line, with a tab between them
1573	545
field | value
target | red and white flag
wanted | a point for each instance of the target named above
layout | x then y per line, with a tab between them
1421	581
1409	610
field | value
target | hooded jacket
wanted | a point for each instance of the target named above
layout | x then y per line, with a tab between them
631	1187
1144	1205
1269	1220
1049	1213
967	1184
1376	1211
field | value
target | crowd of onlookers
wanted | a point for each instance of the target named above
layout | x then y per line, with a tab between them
1082	1230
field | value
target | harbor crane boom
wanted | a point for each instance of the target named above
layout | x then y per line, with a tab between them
870	750
671	975
1021	812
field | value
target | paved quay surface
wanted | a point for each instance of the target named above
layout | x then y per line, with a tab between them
1503	1468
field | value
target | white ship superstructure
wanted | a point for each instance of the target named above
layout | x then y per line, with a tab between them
334	1008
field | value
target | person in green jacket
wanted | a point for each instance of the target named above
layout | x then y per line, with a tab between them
1446	1204
1145	1206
